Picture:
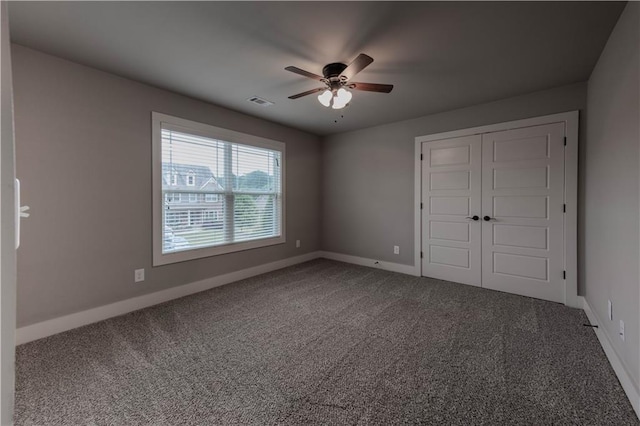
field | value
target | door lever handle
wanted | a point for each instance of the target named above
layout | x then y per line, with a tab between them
487	218
475	217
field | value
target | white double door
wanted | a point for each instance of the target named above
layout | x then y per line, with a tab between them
493	211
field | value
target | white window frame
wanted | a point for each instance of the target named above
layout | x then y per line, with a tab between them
159	121
191	179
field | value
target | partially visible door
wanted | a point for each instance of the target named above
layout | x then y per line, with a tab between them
7	228
522	202
451	238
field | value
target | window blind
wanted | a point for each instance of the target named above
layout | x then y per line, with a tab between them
216	192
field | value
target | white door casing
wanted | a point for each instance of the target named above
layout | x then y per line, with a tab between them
451	176
523	195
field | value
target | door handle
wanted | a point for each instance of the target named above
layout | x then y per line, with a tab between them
487	218
474	217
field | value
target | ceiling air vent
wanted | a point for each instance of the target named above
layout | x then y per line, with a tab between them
259	101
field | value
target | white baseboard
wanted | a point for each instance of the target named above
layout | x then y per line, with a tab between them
363	261
68	322
618	365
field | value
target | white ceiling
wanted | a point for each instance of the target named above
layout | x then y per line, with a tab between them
440	56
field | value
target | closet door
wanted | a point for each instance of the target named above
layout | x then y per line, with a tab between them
522	209
451	174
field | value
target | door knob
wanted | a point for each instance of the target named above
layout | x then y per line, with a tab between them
487	218
474	217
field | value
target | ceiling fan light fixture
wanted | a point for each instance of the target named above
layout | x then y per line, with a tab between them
344	96
341	98
325	98
337	104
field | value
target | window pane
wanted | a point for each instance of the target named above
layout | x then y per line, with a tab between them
255	169
202	177
187	227
255	217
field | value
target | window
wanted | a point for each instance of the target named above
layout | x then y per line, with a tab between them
212	215
242	174
191	179
175	219
172	197
174	179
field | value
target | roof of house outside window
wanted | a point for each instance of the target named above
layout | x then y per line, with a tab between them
204	178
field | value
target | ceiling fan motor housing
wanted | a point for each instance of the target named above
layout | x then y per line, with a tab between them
331	73
333	70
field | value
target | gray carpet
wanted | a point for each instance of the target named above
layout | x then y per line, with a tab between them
326	343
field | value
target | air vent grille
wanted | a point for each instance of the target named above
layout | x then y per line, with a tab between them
259	101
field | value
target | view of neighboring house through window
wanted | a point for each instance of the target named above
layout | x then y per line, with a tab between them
218	194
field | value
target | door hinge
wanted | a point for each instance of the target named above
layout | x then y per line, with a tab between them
564	208
421	255
564	275
420	206
565	141
421	157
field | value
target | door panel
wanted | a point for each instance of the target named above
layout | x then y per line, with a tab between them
523	194
520	266
457	206
451	243
449	156
513	206
450	256
451	231
532	177
450	180
520	236
520	148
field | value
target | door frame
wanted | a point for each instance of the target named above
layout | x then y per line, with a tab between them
570	120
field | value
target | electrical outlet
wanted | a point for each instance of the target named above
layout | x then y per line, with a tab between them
297	243
139	275
610	310
622	330
396	249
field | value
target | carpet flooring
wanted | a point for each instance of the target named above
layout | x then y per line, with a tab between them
326	343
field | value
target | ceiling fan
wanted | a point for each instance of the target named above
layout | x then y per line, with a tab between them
336	77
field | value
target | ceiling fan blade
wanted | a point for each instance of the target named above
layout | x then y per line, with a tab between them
308	92
371	87
304	73
358	64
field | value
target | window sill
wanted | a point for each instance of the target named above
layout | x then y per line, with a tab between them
192	254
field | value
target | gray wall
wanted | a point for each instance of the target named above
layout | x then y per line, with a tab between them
368	175
612	202
83	147
7	237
